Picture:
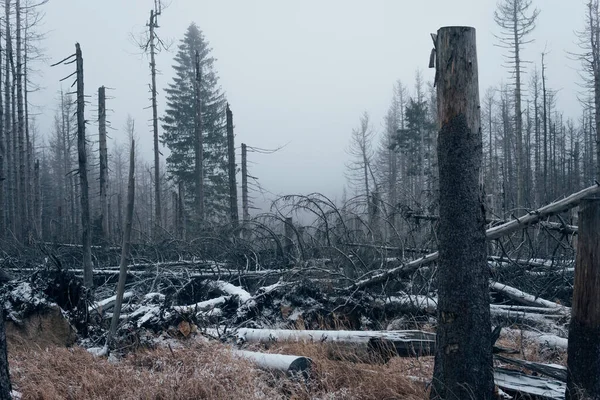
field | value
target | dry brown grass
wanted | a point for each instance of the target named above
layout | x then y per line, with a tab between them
207	371
195	372
333	377
201	370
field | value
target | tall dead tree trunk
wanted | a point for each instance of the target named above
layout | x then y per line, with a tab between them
125	248
233	203
23	162
199	150
463	358
86	233
245	206
37	200
583	372
103	161
594	30
545	116
152	25
3	180
8	128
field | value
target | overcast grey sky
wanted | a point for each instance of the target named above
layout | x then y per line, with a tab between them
296	72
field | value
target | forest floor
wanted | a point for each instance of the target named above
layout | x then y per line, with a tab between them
196	368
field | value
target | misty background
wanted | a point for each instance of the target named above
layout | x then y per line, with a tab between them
298	74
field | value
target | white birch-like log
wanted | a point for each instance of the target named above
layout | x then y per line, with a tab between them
277	362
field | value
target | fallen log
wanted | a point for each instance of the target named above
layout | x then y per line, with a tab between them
491	234
107	304
542	339
385	343
557	372
515	382
526	298
291	365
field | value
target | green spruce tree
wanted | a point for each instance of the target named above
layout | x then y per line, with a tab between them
178	127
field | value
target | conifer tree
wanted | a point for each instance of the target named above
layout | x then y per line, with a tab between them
178	126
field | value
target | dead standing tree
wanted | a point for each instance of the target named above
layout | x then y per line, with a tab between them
511	16
233	206
151	46
199	150
463	358
103	161
86	233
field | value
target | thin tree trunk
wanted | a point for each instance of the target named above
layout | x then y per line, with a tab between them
199	151
125	247
518	114
545	111
8	133
23	162
583	372
5	385
86	238
103	162
463	358
157	205
233	203
181	216
245	205
3	161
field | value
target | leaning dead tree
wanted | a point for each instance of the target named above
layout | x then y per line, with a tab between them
125	250
463	359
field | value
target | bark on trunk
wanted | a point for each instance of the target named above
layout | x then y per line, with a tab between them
583	381
5	386
463	360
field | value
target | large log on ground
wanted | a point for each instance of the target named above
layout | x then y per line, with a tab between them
278	362
385	343
526	298
557	372
514	382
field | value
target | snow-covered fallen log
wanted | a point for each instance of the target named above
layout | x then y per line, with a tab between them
232	290
108	303
516	382
526	298
278	362
542	339
203	305
411	342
